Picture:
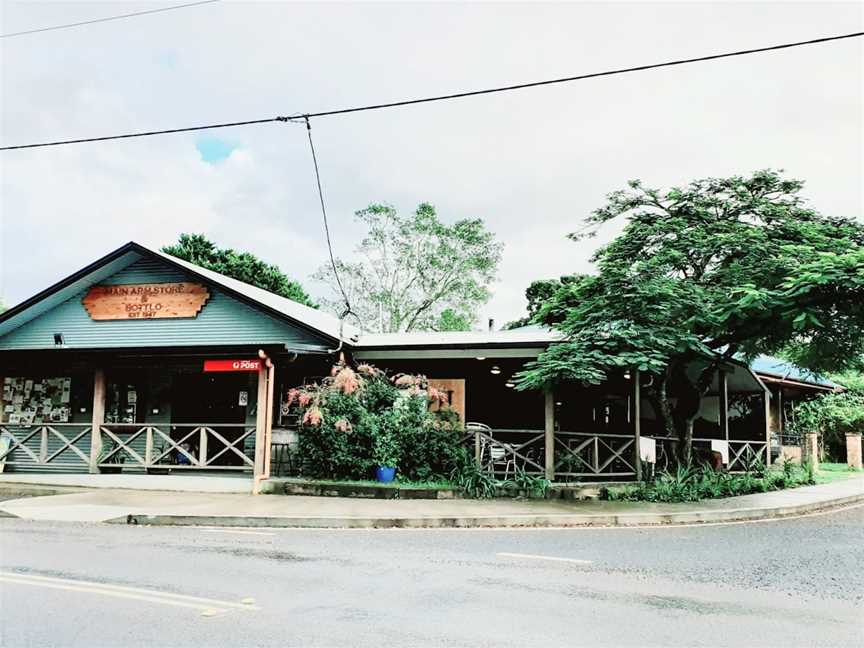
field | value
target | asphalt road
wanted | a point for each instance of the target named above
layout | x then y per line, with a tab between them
797	582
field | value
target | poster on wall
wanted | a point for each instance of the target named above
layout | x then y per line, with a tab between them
28	401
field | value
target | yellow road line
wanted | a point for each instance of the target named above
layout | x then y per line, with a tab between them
120	590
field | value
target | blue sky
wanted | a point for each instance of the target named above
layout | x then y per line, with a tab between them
213	149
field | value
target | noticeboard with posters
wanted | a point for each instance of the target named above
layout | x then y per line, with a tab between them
27	401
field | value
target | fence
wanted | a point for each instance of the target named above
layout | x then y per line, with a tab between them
590	455
133	447
54	447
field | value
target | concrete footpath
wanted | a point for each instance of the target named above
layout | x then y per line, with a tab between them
226	509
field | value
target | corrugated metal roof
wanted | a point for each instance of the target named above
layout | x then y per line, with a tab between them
311	317
132	252
771	366
528	335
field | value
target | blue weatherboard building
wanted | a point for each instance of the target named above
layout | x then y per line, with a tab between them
145	363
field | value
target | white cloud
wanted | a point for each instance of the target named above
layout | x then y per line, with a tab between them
530	163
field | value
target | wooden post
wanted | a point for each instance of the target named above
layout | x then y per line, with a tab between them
98	419
477	448
148	448
202	446
260	429
550	434
43	445
268	441
637	423
724	405
766	396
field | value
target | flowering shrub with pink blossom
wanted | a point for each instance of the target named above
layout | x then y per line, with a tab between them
359	418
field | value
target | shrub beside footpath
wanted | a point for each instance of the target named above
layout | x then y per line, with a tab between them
694	483
356	420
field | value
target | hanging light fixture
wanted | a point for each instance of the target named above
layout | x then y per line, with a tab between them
627	375
510	383
481	357
495	370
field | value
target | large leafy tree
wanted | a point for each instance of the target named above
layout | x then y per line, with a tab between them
720	269
243	266
413	272
538	293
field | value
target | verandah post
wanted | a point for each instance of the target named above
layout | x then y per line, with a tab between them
549	429
636	413
767	400
97	419
723	406
260	428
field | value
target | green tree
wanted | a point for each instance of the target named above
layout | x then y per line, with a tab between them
243	266
723	268
412	269
450	320
537	294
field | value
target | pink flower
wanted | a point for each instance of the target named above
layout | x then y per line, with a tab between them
366	370
342	425
312	417
293	394
404	380
438	396
346	381
304	399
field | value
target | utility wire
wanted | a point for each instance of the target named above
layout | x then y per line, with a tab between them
106	19
348	310
459	95
592	75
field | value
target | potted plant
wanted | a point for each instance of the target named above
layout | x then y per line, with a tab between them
159	451
111	462
386	457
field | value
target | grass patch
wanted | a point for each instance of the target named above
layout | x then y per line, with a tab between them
831	472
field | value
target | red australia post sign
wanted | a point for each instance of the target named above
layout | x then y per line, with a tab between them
231	365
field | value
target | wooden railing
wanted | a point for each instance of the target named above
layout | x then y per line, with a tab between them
577	454
60	445
597	455
181	446
136	446
743	455
583	454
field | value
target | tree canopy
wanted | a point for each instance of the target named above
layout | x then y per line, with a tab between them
722	268
414	272
243	266
537	294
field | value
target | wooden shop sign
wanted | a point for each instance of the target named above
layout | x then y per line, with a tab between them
145	301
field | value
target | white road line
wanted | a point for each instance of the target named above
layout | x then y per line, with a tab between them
258	533
575	561
95	590
121	590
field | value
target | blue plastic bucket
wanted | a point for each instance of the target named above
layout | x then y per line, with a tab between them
385	474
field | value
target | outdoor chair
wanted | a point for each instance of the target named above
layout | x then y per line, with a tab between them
493	454
498	456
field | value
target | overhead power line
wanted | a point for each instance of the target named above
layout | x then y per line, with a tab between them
106	19
447	97
327	228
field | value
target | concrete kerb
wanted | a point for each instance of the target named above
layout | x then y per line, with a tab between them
504	521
